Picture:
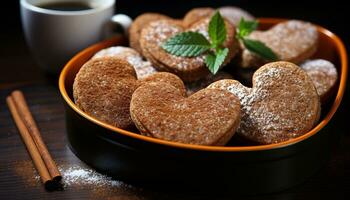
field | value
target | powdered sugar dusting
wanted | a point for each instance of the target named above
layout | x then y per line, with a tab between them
319	65
143	68
281	105
85	177
75	174
323	74
156	34
292	41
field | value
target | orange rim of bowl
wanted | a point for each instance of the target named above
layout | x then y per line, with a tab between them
343	61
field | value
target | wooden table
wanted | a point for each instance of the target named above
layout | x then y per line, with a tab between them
17	175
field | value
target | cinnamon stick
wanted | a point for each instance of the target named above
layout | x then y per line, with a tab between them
28	141
33	130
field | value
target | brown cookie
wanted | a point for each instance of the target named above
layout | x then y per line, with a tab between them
282	104
143	68
231	13
234	14
203	83
324	76
208	117
293	41
197	14
188	69
103	89
138	24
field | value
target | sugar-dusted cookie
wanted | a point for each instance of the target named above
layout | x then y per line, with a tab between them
197	14
204	82
231	13
324	76
208	117
282	104
293	41
234	14
143	68
188	69
103	88
138	24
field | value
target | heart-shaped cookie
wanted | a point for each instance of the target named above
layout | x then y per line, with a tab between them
235	14
197	14
281	105
138	24
208	117
143	68
293	41
188	69
231	13
324	76
103	89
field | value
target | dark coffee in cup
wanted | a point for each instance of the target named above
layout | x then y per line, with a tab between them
66	6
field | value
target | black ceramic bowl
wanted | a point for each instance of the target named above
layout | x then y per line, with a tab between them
132	157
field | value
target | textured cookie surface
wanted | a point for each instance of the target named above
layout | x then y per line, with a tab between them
293	41
281	105
103	88
323	74
197	14
138	24
142	68
188	69
208	117
231	13
234	14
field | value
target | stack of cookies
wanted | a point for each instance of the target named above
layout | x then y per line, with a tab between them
177	98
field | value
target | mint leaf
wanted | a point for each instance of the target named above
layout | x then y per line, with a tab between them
259	48
214	61
217	29
246	27
186	44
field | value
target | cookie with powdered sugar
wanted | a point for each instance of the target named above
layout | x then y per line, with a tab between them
282	104
143	68
234	14
324	76
103	88
187	68
208	117
231	13
138	24
197	14
292	40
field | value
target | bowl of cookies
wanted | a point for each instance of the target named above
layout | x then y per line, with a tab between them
217	100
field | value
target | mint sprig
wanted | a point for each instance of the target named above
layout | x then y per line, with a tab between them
255	46
190	44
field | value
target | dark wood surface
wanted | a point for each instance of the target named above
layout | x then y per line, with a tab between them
17	175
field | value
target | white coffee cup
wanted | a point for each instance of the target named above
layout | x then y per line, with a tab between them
54	36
